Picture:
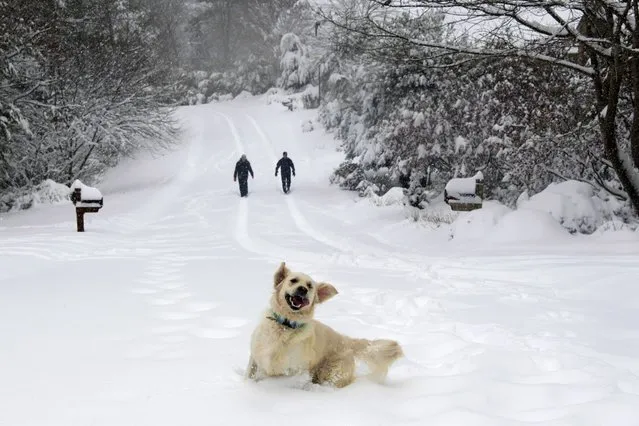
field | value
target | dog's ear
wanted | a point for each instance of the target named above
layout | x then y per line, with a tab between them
281	273
325	291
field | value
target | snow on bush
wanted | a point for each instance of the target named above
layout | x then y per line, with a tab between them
435	214
573	204
244	94
514	120
392	197
310	97
294	63
307	126
616	226
251	74
275	94
47	192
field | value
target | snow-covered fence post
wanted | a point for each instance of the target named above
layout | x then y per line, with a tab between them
86	199
465	194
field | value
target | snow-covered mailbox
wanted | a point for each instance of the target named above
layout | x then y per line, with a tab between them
465	194
86	199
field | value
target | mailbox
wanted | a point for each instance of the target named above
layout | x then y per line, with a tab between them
86	199
465	194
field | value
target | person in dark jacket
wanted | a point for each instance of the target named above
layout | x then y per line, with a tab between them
242	170
287	167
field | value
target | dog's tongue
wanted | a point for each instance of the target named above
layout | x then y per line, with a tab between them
299	301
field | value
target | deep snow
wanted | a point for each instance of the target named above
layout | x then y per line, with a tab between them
145	319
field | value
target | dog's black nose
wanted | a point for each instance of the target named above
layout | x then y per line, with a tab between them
301	291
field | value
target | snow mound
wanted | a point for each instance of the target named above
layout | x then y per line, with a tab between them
392	197
51	192
200	99
307	126
435	214
275	94
480	223
572	204
527	225
244	95
47	192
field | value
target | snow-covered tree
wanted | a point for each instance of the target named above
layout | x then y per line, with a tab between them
82	86
412	119
294	63
595	38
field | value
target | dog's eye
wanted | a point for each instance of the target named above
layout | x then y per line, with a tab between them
310	286
294	280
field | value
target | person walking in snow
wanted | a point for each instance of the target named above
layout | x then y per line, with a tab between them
287	167
242	170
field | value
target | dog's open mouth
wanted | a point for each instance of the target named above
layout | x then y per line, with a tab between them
296	302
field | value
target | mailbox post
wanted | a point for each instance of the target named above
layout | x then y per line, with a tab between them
86	200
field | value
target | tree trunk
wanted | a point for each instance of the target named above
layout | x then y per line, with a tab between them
621	168
634	135
608	99
634	130
634	75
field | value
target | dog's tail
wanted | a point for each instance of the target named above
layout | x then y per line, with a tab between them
378	354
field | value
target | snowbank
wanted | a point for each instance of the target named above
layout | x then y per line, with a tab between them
574	205
478	224
561	209
555	213
527	226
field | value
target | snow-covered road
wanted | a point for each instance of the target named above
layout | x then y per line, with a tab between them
145	319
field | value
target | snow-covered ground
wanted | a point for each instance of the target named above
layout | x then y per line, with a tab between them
145	318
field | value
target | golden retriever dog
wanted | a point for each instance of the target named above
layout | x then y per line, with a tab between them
288	341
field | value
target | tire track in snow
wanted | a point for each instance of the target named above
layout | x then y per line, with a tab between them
298	218
153	210
262	248
241	232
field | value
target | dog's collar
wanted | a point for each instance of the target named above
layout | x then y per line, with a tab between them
285	321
